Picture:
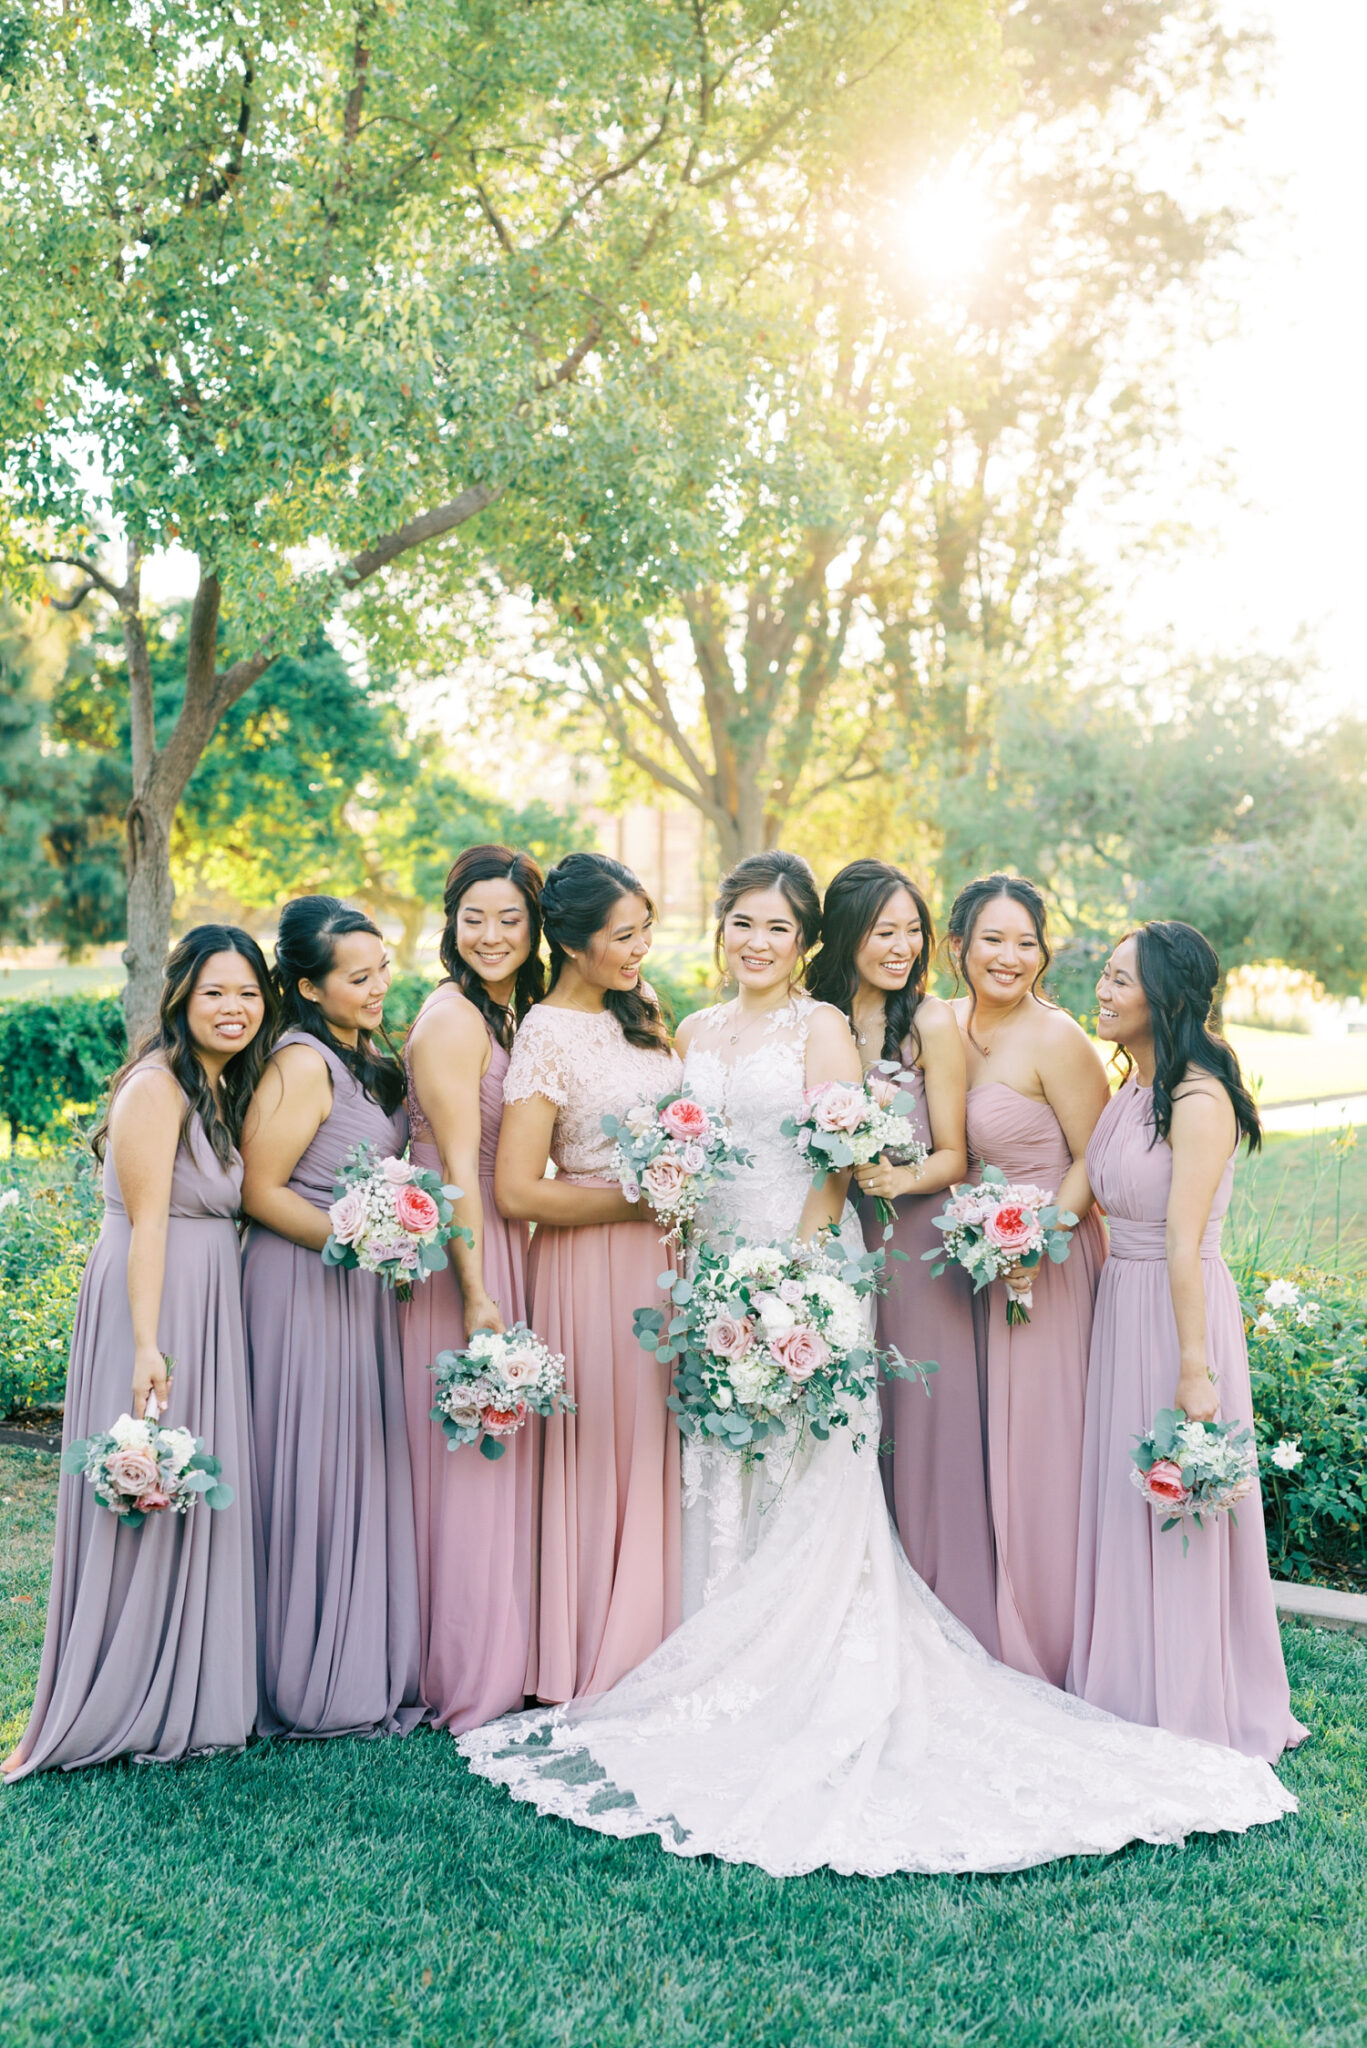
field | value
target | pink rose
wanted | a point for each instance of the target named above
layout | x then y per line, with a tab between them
729	1336
1011	1228
397	1171
883	1089
415	1209
692	1158
663	1182
132	1471
520	1368
504	1421
1163	1482
838	1106
801	1352
149	1502
347	1217
684	1118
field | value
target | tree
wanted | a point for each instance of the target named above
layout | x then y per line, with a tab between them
307	290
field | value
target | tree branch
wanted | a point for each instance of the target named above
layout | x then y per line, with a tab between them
426	526
96	577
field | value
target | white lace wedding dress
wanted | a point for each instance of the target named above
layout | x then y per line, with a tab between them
820	1707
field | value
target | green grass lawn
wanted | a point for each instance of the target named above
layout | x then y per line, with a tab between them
355	1892
1300	1201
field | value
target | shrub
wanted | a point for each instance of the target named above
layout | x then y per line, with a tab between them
408	991
45	1239
57	1054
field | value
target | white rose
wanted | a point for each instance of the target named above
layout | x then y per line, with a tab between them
1287	1454
179	1446
1281	1294
1266	1323
776	1316
1307	1312
128	1430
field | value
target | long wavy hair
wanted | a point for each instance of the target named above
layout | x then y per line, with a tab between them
495	864
775	869
306	950
221	1115
969	905
576	903
855	900
1179	972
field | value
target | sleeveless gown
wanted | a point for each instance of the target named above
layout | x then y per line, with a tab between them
337	1581
1188	1642
1036	1375
475	1518
823	1708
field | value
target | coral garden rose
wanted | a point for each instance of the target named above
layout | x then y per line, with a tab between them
801	1352
729	1336
416	1210
838	1107
686	1119
1163	1481
1011	1228
663	1182
153	1499
503	1421
132	1471
347	1216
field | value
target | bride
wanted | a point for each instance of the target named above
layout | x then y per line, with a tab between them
819	1706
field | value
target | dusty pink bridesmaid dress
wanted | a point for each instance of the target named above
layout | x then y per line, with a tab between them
476	1518
937	1472
609	1579
1036	1389
1188	1643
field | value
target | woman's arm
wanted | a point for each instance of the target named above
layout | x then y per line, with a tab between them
521	1188
1076	1089
448	1053
1202	1137
292	1101
144	1136
832	1055
942	1063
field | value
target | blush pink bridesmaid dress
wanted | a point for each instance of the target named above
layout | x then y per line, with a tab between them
1184	1642
475	1517
937	1470
609	1588
1036	1388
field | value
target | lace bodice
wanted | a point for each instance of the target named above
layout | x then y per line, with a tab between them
755	1093
580	1061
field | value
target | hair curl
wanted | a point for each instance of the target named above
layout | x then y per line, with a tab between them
790	874
221	1115
855	900
1179	972
969	905
495	863
306	950
576	903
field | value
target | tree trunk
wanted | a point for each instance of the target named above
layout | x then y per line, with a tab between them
151	895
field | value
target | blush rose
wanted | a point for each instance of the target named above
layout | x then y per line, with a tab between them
347	1216
132	1471
686	1119
415	1209
1163	1481
801	1352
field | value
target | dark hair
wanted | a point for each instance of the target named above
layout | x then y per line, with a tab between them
576	902
306	950
221	1116
495	864
855	900
786	872
969	905
1179	971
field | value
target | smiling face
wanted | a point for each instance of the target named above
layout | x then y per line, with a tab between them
1122	1006
1002	960
612	959
761	940
892	945
226	1008
351	994
494	934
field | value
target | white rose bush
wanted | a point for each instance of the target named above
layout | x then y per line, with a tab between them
671	1153
485	1393
139	1468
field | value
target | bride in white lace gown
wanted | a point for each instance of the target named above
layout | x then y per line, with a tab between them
819	1706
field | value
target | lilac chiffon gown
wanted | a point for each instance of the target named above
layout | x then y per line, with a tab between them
150	1647
337	1581
1184	1642
937	1471
476	1518
1036	1389
609	1589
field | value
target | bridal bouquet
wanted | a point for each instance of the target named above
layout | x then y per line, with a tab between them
486	1392
138	1469
766	1334
672	1152
1186	1470
999	1224
392	1219
851	1123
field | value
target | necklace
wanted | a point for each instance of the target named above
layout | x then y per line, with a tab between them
742	1028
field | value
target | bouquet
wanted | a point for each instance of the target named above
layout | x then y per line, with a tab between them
672	1151
486	1392
999	1224
766	1334
138	1469
1186	1470
849	1123
392	1219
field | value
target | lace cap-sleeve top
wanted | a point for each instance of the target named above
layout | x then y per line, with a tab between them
580	1060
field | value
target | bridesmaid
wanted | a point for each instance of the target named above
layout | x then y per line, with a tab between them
337	1584
1184	1642
877	944
150	1648
1035	1090
476	1520
609	1576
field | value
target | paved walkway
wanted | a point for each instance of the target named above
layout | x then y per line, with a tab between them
1321	1607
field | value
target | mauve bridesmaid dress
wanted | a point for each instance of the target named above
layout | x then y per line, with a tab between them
151	1634
476	1518
1184	1642
337	1577
609	1590
1036	1390
936	1475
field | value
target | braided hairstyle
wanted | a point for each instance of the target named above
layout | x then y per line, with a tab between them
495	864
1179	972
855	900
306	950
775	869
577	900
969	905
